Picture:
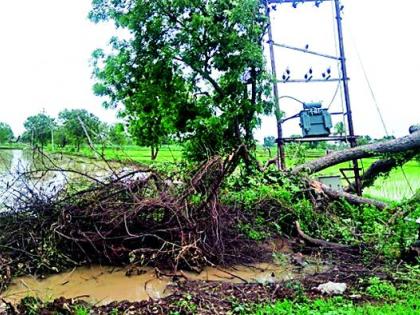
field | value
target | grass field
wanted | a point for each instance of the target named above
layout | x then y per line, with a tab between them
401	182
10	146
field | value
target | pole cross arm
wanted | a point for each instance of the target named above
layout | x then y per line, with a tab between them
307	51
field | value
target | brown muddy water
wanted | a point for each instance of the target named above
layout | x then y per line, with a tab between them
102	285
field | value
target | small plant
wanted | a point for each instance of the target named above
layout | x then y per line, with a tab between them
253	233
187	305
31	305
114	311
240	308
82	310
381	289
298	288
280	258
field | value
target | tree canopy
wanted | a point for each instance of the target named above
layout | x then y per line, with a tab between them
6	133
79	125
339	128
39	128
117	134
191	69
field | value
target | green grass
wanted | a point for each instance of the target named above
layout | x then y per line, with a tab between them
385	299
337	306
401	182
130	153
10	146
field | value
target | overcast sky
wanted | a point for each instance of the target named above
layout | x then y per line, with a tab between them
46	47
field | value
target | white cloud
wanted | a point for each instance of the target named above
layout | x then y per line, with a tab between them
46	47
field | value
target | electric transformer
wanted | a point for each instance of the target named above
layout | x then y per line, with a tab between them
315	121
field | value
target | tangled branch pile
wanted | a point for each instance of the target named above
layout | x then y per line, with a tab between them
140	219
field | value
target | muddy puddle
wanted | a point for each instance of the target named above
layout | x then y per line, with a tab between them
102	285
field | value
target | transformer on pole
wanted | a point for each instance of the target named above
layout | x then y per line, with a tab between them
315	121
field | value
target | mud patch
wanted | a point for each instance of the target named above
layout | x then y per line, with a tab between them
103	285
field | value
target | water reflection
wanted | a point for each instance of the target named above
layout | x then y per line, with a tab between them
24	174
12	164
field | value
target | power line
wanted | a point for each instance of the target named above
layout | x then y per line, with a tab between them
370	88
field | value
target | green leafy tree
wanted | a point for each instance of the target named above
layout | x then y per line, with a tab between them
387	138
60	137
6	133
79	126
117	134
339	129
39	129
269	142
192	69
364	140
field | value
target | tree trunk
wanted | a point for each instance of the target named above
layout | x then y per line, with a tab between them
404	144
154	152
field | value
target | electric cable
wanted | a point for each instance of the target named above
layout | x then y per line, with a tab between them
377	105
292	98
406	179
334	96
371	90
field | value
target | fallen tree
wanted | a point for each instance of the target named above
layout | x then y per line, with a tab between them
404	144
380	168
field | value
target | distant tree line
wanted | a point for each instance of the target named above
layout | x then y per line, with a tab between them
75	127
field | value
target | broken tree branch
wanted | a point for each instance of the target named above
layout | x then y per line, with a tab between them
353	199
315	241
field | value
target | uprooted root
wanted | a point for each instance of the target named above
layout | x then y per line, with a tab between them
143	221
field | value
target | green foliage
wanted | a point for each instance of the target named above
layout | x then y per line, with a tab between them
280	258
254	233
269	141
186	305
339	129
6	133
334	306
390	301
298	153
81	310
364	140
190	70
39	129
380	289
78	125
31	305
409	273
117	135
114	311
273	203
